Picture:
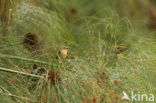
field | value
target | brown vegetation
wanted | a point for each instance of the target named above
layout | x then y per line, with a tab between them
55	76
31	42
151	18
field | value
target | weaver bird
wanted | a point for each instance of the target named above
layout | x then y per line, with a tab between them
62	54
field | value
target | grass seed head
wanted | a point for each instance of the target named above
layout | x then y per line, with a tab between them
116	81
151	18
73	11
31	41
55	76
13	80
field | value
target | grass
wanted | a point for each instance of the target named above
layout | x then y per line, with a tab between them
111	51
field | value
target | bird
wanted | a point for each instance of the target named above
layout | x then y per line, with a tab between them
62	53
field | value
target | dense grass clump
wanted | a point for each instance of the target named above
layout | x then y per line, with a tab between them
110	51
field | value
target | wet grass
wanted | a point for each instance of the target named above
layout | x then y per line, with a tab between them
109	52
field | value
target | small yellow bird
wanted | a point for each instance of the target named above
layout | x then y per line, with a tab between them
62	54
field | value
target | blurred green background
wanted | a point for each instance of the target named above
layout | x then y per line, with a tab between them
111	49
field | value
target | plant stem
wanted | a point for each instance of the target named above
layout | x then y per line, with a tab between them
20	58
22	73
10	94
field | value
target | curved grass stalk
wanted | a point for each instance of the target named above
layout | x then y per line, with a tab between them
29	60
13	44
22	73
12	95
24	59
